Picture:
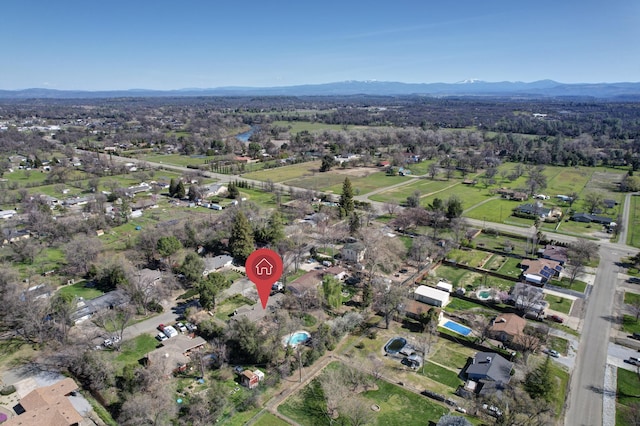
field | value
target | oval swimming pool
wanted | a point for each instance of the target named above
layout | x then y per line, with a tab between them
294	339
395	345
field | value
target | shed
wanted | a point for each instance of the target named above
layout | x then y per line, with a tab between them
444	286
431	296
260	374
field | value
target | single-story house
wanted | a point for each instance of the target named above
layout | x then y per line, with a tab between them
557	253
588	218
306	283
608	203
528	298
87	308
173	355
507	327
214	190
564	198
353	252
47	406
338	272
413	309
213	264
489	366
512	194
537	209
431	296
539	271
14	235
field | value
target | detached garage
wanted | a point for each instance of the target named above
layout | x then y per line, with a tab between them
431	296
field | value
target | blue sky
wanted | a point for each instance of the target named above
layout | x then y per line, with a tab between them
106	45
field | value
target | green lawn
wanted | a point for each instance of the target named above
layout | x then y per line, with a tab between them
474	258
559	344
134	350
559	304
177	159
469	279
268	419
80	290
631	298
561	379
630	324
441	375
366	184
227	306
627	393
469	196
309	126
633	236
397	406
400	194
577	285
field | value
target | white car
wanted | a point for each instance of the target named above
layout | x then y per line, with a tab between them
161	337
169	331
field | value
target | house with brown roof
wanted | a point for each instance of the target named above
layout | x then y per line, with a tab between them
557	253
47	406
539	271
507	327
173	355
306	283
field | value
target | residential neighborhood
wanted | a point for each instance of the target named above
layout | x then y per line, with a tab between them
452	281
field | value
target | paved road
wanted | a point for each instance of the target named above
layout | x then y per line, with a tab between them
585	401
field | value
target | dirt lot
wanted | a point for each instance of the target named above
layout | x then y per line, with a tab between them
356	171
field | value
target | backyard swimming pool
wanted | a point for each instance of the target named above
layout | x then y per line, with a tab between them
294	339
395	345
457	327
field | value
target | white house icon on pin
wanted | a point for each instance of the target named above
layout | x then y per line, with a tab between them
264	267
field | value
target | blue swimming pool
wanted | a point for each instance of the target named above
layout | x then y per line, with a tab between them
458	328
294	339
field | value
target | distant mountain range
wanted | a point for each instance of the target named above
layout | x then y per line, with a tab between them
536	89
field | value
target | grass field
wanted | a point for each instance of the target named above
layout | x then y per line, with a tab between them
469	196
559	304
471	280
133	350
400	194
80	290
285	173
397	406
441	375
268	419
301	126
366	184
633	236
177	159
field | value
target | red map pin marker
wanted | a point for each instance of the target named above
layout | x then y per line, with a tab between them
264	267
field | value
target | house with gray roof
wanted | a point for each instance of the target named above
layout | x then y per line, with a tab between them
489	366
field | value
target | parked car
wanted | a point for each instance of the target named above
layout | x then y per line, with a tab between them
556	318
180	326
493	410
161	337
632	361
161	327
635	336
552	352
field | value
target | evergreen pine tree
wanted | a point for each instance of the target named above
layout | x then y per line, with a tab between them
180	191
172	187
276	228
539	383
347	205
241	243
